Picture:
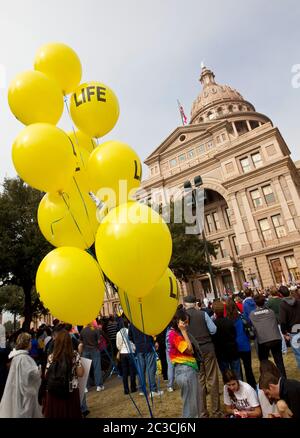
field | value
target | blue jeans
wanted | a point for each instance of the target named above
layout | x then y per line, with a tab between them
296	352
233	365
186	378
83	405
95	356
147	363
171	375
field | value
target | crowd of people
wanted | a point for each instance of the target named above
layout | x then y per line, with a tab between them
40	371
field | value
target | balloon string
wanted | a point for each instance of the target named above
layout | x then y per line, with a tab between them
82	162
85	206
127	342
54	222
76	223
137	363
143	325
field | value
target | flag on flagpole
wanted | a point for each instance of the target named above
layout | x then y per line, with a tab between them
183	116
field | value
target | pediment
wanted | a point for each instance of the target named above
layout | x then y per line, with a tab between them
180	136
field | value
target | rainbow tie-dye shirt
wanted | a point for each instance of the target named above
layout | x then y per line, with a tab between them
177	353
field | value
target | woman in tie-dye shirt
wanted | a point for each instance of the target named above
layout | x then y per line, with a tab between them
186	368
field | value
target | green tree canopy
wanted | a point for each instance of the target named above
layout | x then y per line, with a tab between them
22	246
188	257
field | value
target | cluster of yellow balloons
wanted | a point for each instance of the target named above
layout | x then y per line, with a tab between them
55	162
132	242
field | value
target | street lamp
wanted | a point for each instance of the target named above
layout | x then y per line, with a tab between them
188	186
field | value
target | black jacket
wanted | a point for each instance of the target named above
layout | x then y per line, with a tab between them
289	391
225	340
289	314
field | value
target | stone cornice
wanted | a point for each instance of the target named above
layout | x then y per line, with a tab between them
239	144
278	248
260	172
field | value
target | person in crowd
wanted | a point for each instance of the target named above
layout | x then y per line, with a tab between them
268	406
126	349
74	339
225	341
238	302
146	359
248	303
111	330
267	333
4	352
240	399
186	368
160	344
33	352
279	388
63	368
289	316
202	328
89	337
274	303
242	341
207	307
20	397
171	371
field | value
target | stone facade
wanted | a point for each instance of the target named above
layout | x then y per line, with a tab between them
252	186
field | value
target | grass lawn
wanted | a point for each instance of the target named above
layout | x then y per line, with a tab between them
113	403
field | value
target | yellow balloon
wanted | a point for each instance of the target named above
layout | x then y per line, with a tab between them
151	314
133	247
43	157
94	108
114	166
68	218
82	140
70	285
61	63
34	97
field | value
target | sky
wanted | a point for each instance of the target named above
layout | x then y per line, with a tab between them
150	52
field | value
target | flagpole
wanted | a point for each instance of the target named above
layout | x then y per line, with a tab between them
182	115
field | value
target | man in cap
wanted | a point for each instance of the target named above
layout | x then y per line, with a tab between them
201	328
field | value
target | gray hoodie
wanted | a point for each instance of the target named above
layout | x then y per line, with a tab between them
265	324
289	314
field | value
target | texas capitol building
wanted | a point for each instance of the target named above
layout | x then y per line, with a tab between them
252	186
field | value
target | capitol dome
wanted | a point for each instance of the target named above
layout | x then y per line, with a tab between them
215	100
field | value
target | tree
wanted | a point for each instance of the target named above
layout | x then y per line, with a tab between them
22	246
188	256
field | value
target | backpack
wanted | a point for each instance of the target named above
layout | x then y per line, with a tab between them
59	379
248	328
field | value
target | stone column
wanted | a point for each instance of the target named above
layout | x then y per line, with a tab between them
253	230
234	129
248	125
284	206
294	192
238	226
232	272
210	282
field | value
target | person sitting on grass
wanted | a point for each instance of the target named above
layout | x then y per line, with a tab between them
279	388
240	399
